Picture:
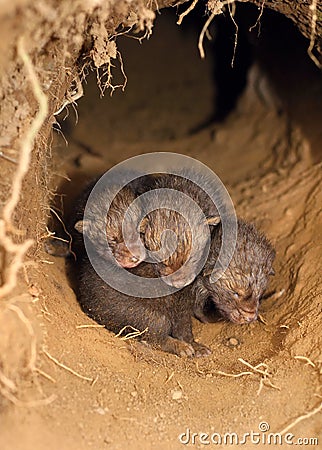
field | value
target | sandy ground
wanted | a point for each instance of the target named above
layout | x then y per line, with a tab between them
143	399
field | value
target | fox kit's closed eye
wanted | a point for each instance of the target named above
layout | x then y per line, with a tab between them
236	294
190	228
103	226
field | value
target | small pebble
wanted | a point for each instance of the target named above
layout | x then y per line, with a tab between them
232	342
176	395
100	411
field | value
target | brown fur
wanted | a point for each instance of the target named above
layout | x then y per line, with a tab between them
236	295
161	219
167	320
105	231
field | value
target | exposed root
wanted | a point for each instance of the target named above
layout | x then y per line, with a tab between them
72	96
90	326
234	375
216	8
261	369
302	417
33	340
31	404
133	334
29	139
261	319
45	375
2	155
169	377
7	383
122	70
232	13
255	368
258	21
63	366
19	250
104	78
313	8
66	231
150	4
204	31
304	358
187	11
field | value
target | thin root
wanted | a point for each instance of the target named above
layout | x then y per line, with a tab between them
34	403
232	13
264	374
72	97
66	367
66	231
304	358
20	250
2	155
187	11
9	384
45	375
33	341
135	333
258	20
169	377
313	8
216	9
302	417
234	375
29	139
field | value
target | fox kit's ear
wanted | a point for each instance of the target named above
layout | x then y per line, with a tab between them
81	226
214	220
